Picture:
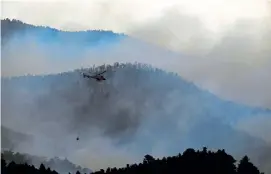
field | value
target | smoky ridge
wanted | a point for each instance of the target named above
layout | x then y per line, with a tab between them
117	106
96	95
142	84
135	100
86	103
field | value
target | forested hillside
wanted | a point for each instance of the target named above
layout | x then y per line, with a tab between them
190	162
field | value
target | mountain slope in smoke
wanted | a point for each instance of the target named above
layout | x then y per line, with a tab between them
43	49
11	28
136	107
10	138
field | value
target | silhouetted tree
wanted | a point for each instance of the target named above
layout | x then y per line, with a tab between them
148	159
246	167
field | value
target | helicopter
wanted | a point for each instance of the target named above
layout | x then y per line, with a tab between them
98	76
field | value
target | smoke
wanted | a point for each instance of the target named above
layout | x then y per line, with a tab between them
233	62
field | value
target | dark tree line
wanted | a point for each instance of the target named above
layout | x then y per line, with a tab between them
13	168
17	25
190	162
60	165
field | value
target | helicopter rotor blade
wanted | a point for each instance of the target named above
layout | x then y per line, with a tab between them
100	73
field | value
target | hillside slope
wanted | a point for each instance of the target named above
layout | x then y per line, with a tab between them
10	138
137	104
15	28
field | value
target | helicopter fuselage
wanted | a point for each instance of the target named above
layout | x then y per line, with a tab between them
99	78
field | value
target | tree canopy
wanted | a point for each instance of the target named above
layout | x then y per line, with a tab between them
190	162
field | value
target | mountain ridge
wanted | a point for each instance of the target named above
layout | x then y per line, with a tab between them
72	75
72	83
78	71
14	21
9	28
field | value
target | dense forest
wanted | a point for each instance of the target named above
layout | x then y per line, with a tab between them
190	162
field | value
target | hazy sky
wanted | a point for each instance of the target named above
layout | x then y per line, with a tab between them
120	15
